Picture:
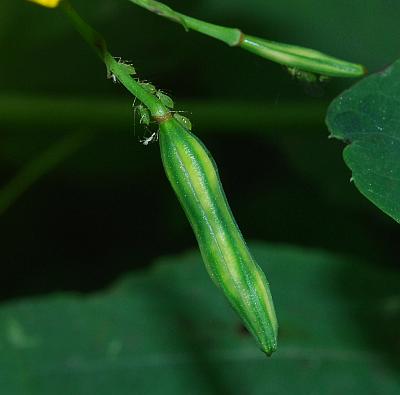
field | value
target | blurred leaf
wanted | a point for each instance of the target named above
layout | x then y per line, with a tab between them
368	117
60	112
39	166
170	331
30	123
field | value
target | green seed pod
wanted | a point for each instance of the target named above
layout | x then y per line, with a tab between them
301	58
184	121
194	177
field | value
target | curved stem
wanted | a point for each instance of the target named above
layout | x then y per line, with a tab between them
292	56
228	35
115	68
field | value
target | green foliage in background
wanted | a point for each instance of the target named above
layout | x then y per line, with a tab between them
169	331
99	209
368	117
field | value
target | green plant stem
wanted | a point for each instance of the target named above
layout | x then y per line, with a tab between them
40	166
292	56
230	36
115	68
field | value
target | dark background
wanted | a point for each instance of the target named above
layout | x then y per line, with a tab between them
108	208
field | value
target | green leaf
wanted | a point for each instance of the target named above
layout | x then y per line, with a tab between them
169	331
367	116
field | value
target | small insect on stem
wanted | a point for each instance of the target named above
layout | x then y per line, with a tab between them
165	99
162	96
123	64
149	87
184	121
306	76
111	76
153	138
144	114
127	66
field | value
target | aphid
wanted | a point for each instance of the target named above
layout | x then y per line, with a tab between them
323	78
126	64
111	76
302	75
306	76
144	114
149	87
128	68
184	121
165	99
194	177
153	137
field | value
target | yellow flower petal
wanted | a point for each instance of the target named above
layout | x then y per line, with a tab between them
47	3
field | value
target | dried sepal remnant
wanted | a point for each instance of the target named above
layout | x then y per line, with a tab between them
47	3
194	177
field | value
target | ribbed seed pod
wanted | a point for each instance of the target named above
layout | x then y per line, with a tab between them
302	59
194	178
